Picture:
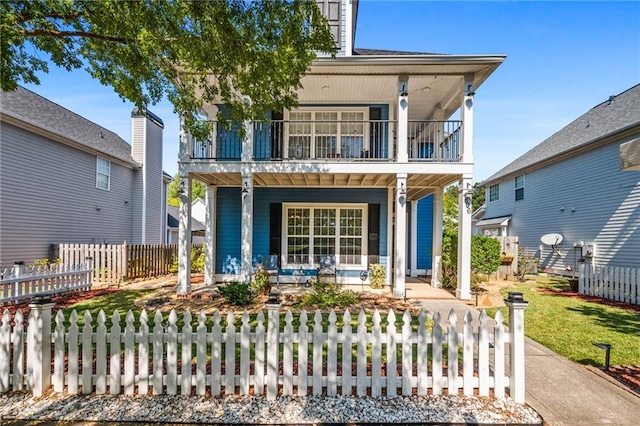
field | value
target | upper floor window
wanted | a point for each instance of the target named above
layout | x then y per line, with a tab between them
103	173
327	133
519	187
494	192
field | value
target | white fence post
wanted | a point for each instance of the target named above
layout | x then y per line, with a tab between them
39	346
516	304
273	325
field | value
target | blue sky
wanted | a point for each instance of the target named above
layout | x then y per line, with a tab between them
563	58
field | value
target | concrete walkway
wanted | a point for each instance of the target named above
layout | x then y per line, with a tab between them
561	391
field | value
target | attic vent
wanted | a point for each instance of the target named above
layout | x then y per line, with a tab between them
611	99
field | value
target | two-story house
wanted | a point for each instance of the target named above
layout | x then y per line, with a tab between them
581	186
339	180
65	179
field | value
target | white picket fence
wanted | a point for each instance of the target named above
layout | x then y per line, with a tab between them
22	282
263	359
619	284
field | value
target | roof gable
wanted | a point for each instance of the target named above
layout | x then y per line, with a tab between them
33	109
612	116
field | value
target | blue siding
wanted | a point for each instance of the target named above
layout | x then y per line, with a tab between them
229	217
425	232
228	230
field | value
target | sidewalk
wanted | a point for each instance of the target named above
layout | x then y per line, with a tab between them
561	391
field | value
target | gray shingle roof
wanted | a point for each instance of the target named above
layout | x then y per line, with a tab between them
383	52
611	116
31	108
173	213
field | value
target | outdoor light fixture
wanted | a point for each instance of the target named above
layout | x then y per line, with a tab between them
183	186
403	191
467	202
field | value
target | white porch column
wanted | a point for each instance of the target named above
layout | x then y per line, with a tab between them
184	237
402	154
247	226
466	115
414	238
464	239
400	255
210	235
184	150
436	261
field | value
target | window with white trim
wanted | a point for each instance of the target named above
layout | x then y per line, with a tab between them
327	133
519	183
318	232
494	192
103	173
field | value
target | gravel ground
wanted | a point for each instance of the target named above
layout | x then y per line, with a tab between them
256	410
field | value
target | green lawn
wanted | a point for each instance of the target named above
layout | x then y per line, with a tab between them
570	326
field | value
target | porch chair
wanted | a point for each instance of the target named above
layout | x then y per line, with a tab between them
327	268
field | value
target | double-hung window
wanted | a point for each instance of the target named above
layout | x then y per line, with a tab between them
519	183
103	173
317	233
327	133
494	192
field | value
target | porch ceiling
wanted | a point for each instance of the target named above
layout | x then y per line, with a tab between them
418	185
435	81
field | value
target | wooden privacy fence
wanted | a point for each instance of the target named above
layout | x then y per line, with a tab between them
619	284
259	357
113	263
22	282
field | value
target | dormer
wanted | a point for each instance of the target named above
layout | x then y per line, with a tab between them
342	16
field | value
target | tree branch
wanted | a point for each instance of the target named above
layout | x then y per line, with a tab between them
62	34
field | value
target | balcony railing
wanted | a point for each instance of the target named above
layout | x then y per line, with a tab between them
372	140
437	141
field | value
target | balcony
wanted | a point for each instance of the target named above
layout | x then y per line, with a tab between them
335	141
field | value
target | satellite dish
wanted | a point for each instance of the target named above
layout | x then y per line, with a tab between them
551	239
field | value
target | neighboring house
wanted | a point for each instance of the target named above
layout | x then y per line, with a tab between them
351	177
64	179
197	227
575	184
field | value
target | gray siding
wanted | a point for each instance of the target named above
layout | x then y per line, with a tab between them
584	198
137	151
154	184
48	195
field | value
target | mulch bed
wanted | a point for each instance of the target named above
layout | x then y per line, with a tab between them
627	375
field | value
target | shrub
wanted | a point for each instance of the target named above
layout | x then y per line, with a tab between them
329	295
261	282
237	293
449	259
197	260
527	264
485	254
485	258
377	275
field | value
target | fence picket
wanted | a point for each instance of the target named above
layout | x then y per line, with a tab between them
406	353
216	355
332	355
287	356
303	353
18	351
259	350
201	354
5	350
187	346
392	344
467	354
158	341
72	387
376	361
483	354
361	371
129	354
101	348
172	353
346	353
317	353
58	353
423	353
114	354
452	356
230	355
244	353
87	353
